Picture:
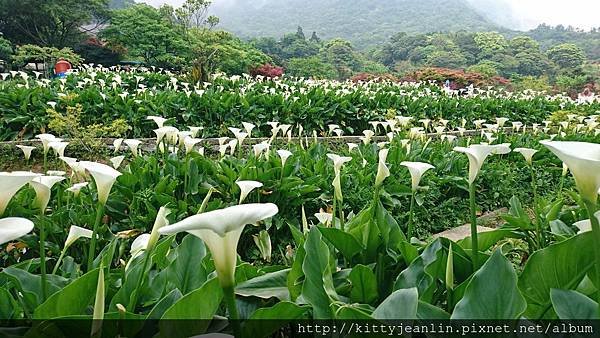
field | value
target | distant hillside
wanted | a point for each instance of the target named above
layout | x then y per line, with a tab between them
364	22
118	4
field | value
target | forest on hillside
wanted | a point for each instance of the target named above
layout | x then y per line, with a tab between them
190	39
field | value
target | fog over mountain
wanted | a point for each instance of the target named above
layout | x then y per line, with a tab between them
513	14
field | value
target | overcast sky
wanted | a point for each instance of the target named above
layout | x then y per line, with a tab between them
529	13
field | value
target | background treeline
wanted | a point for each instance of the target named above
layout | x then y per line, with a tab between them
189	39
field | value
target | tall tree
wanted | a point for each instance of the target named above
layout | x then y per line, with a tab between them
567	56
57	23
194	13
148	34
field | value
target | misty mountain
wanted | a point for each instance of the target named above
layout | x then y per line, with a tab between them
499	12
363	22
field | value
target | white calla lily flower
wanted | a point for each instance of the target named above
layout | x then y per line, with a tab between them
104	176
583	160
46	139
117	144
324	218
284	155
56	173
416	169
117	161
246	187
477	154
195	130
75	166
160	121
43	187
159	222
382	170
338	161
527	153
76	233
501	121
248	127
232	145
259	148
190	143
26	151
221	230
139	244
76	188
133	146
12	228
368	136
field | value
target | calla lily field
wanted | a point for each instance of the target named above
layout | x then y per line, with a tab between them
138	196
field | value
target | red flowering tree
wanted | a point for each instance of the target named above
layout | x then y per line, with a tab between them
267	70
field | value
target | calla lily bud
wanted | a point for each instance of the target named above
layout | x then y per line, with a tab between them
450	269
263	242
98	314
382	170
304	221
160	221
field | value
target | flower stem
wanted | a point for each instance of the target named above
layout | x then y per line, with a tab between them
538	214
92	252
59	261
591	208
474	244
140	283
560	187
45	161
410	216
43	260
341	215
229	296
333	212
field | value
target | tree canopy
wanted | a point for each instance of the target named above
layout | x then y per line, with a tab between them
56	23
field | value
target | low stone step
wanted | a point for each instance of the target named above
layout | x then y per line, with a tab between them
461	232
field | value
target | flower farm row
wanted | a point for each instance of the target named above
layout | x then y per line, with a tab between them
295	227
